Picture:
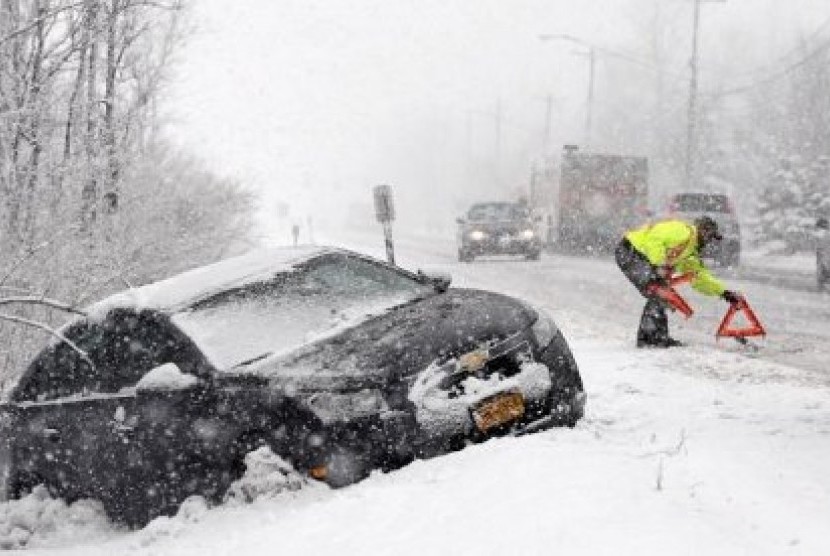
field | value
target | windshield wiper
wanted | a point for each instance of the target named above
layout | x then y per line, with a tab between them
259	357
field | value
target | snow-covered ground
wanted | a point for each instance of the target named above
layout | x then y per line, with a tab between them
707	449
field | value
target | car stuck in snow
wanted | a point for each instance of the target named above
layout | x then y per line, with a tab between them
339	363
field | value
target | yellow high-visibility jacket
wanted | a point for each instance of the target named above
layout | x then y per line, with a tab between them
674	243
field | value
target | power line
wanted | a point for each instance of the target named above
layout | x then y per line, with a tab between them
825	25
820	49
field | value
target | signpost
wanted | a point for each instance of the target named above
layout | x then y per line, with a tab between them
385	214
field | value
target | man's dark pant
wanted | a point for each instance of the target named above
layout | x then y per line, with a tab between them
654	325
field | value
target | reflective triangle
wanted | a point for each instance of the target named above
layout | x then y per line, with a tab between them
753	326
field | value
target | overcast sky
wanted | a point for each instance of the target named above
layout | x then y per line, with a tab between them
312	102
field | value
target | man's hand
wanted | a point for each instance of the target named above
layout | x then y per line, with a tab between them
664	270
657	279
731	297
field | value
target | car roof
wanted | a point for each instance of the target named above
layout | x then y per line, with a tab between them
185	289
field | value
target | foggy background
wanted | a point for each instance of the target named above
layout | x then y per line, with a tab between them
314	102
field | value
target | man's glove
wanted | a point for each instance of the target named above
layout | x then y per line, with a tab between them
730	296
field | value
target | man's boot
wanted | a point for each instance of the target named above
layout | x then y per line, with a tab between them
654	326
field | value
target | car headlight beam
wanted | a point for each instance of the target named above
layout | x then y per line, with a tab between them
477	235
528	234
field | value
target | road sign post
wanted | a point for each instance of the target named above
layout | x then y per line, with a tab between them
385	214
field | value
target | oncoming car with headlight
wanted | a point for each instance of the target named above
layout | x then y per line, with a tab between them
339	363
498	229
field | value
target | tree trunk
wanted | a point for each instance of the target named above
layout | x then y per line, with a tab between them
111	187
90	189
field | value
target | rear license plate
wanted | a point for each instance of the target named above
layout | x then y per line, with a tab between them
499	410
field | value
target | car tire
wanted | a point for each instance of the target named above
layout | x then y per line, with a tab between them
534	255
464	256
345	467
20	484
822	279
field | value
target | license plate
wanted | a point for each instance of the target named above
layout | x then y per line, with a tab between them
499	410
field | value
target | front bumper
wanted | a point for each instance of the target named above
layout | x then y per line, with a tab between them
446	397
503	245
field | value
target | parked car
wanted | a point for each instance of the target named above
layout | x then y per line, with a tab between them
726	252
823	253
498	229
338	362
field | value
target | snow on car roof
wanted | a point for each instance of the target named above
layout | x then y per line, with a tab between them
202	282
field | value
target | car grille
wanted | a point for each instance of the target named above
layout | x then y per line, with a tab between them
503	360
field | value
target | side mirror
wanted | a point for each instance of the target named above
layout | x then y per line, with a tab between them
823	224
166	378
460	220
439	280
537	218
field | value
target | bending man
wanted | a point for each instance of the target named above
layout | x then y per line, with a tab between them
650	254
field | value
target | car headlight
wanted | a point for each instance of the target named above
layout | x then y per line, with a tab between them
477	235
528	234
543	329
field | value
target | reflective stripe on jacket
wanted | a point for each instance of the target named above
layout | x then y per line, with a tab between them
674	243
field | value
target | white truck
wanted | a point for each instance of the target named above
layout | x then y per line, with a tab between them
600	196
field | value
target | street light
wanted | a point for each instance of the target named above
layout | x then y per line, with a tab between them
591	65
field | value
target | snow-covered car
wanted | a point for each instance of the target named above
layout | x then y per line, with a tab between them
498	229
338	362
691	205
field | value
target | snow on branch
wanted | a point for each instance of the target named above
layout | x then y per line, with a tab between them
42	301
52	331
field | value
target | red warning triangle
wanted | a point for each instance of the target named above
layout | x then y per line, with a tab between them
752	328
670	296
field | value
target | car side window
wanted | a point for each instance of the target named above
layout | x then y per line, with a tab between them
348	276
122	348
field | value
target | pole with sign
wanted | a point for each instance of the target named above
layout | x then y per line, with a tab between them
385	214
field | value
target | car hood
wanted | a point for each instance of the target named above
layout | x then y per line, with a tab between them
396	344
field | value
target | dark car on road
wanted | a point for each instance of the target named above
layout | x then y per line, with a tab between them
337	362
498	229
718	206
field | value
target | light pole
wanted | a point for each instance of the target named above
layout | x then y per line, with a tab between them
591	54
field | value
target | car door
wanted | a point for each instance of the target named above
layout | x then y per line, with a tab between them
91	432
67	426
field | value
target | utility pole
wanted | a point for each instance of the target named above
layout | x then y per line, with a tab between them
691	117
691	130
589	111
591	54
548	116
497	146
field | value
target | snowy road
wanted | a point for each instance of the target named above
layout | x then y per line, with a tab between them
705	449
597	300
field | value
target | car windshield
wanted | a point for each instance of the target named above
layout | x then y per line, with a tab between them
497	211
319	299
701	203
